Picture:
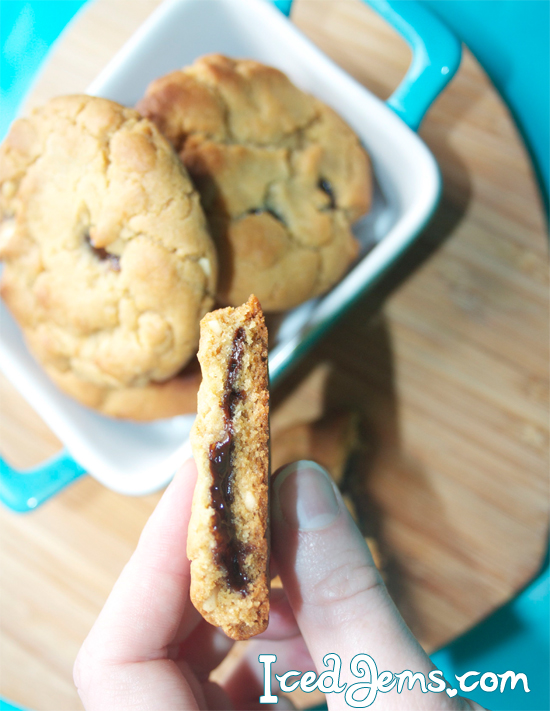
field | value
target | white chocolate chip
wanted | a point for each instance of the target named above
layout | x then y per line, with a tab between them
249	500
8	189
117	247
210	603
215	327
7	230
205	266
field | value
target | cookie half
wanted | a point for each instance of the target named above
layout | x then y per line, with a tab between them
228	533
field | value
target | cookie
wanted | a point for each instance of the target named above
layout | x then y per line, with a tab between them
228	532
154	401
280	174
108	264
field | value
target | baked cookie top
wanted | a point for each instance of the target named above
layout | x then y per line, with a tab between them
281	176
108	263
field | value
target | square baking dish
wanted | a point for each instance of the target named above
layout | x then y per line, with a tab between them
136	458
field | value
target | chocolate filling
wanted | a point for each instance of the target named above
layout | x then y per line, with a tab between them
326	187
103	255
230	552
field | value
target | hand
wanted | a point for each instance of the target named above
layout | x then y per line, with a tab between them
150	649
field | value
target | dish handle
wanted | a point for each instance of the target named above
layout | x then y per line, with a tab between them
23	491
436	55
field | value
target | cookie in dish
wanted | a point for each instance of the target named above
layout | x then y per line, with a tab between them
108	263
281	176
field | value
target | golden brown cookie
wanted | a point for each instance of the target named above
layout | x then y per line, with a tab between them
281	176
146	403
228	532
108	263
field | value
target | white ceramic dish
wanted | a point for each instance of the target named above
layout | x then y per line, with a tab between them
140	458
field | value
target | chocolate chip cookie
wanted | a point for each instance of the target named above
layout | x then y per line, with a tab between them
108	264
228	531
280	174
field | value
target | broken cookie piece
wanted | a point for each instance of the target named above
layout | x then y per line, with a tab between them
228	531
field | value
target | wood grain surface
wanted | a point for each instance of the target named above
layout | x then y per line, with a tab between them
446	366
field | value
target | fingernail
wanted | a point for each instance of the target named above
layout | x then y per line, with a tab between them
306	497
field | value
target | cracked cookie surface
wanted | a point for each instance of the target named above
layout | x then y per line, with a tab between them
280	174
108	262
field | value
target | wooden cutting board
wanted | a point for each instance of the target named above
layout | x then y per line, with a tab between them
447	366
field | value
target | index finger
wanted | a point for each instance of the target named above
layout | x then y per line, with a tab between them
151	597
339	600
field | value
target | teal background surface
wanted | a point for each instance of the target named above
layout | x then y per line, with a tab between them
27	32
511	40
6	705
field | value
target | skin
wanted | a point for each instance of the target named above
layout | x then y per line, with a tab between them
150	650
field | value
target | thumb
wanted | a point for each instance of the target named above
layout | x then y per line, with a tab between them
337	595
